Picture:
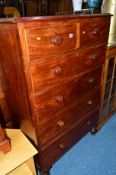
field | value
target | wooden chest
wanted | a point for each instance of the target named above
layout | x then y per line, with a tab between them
51	76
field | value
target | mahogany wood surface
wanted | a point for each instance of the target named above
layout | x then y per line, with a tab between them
57	70
69	115
51	77
75	132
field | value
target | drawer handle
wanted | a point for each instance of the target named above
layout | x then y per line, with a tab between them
59	98
91	80
95	31
61	146
93	57
57	70
90	102
57	40
60	124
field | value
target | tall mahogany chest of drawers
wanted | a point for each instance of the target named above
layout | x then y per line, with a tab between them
51	77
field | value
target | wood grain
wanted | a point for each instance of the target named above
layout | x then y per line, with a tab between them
52	78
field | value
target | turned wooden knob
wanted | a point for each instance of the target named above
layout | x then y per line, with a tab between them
57	70
60	124
61	146
59	98
90	102
57	40
91	80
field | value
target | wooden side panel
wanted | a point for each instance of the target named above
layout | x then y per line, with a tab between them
13	80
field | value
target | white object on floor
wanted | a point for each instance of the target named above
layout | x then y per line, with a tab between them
19	161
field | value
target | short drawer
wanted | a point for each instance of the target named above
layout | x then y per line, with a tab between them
57	123
60	69
95	31
54	151
46	41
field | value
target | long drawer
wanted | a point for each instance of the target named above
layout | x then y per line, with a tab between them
65	94
62	144
55	124
58	70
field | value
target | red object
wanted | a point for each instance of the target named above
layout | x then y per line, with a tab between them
4	142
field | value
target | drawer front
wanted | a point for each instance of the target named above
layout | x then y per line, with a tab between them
62	68
95	31
65	93
43	42
62	120
61	145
